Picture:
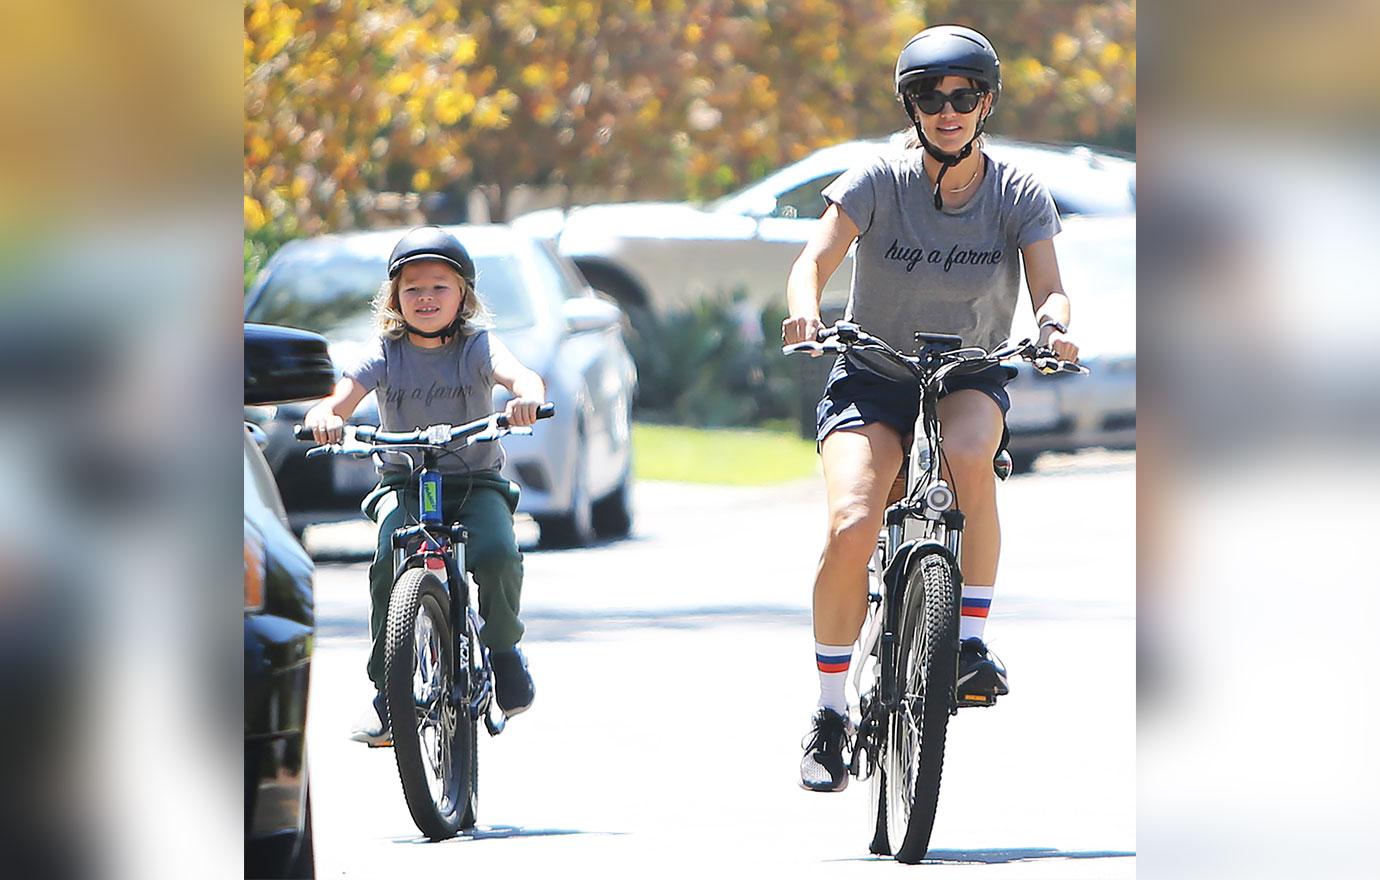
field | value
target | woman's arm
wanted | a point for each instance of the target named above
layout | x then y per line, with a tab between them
812	269
327	419
529	392
1048	297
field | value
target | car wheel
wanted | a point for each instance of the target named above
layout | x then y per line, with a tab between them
574	528
613	513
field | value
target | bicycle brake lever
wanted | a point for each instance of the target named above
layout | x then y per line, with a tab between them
811	347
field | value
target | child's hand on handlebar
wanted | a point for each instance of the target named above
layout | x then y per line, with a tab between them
324	424
522	412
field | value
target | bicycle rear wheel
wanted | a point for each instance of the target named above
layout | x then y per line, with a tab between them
881	839
433	739
926	668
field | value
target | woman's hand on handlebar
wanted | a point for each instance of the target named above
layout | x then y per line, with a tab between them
801	329
324	424
1062	345
522	412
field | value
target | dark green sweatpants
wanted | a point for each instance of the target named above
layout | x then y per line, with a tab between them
485	506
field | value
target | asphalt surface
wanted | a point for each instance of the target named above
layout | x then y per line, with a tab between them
675	679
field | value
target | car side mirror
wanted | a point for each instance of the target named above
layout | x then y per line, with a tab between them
586	313
282	365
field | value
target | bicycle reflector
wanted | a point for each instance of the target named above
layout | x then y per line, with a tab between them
255	569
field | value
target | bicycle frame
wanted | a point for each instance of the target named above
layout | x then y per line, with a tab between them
923	521
442	549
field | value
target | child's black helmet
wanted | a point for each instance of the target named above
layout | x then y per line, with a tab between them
949	50
431	243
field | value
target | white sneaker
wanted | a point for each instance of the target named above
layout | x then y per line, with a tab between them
373	728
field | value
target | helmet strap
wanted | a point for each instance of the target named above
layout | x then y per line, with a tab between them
945	160
449	330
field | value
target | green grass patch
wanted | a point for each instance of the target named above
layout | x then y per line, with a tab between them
727	456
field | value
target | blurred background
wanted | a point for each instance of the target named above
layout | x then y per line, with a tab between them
150	143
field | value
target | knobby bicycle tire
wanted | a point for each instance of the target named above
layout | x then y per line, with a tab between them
418	592
926	669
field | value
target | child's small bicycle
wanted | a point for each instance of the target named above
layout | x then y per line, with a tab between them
439	682
909	642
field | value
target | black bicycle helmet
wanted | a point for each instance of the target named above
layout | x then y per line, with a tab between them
431	243
947	50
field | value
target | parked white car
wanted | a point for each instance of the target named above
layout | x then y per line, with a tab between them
665	256
1064	412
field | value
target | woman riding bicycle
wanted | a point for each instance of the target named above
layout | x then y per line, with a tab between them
937	227
434	362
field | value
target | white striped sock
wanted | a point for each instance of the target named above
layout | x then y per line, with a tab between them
977	601
832	662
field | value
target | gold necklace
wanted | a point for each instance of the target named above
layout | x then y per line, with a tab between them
976	171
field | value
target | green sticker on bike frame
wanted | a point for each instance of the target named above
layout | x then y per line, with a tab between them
429	497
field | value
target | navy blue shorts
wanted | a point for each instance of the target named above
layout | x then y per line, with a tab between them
854	397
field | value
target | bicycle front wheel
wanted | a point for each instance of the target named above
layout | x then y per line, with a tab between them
432	733
926	669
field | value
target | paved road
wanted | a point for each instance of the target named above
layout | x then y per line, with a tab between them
675	680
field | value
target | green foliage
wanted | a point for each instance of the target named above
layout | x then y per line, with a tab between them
717	363
684	98
259	246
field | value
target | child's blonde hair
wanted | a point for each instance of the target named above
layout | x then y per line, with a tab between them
388	318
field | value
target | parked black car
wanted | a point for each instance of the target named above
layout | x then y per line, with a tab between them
280	365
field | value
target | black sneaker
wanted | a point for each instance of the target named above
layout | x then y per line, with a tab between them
512	682
373	727
981	677
824	766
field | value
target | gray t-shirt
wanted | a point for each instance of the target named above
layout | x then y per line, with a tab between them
955	271
416	387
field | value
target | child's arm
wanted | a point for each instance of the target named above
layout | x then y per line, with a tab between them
327	419
529	392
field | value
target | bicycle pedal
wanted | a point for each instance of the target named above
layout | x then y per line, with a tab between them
976	700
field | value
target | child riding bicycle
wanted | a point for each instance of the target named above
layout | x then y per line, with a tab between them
432	362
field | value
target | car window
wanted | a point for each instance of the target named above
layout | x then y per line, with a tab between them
805	202
554	287
332	293
573	283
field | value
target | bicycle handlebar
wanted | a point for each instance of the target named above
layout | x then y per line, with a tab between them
434	435
844	335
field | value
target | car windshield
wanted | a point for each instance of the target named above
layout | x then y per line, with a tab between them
332	293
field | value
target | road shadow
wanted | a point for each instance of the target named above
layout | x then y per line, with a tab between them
1001	856
562	626
359	546
506	832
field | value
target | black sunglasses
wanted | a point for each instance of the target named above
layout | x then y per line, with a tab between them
933	101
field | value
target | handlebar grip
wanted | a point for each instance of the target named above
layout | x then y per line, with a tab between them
302	432
545	411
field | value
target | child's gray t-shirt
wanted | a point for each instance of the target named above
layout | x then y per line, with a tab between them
955	271
416	387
